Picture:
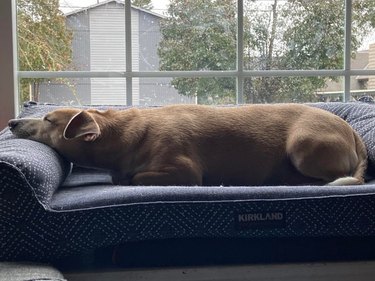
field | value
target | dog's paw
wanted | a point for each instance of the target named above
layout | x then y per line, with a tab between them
120	180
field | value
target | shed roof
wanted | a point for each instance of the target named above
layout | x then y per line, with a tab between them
110	1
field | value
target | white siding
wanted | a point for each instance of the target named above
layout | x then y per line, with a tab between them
107	53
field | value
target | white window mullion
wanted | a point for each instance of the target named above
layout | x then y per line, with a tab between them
9	105
240	64
347	49
187	74
128	54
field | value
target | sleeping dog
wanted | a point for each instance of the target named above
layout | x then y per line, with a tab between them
283	144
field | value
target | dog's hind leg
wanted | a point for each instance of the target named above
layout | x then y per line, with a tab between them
330	158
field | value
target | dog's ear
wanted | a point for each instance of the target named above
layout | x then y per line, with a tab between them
82	124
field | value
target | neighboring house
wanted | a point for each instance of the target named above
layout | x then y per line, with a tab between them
360	85
99	45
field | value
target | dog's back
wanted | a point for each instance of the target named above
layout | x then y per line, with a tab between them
248	144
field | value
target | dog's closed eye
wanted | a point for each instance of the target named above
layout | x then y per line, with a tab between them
48	119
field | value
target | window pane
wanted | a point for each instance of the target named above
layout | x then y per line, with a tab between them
162	91
44	39
333	90
293	34
289	89
146	91
158	91
363	43
198	35
363	88
88	38
147	35
75	91
363	35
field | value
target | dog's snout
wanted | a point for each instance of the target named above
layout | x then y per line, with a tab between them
12	123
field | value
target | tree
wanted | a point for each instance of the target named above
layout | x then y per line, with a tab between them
314	39
276	32
145	4
44	42
200	35
294	34
261	37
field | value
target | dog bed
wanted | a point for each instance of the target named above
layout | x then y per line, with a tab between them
50	210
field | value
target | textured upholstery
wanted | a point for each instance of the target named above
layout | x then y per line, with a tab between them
361	117
43	168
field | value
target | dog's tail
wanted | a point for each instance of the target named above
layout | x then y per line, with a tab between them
357	176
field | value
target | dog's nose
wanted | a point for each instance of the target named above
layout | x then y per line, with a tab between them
12	124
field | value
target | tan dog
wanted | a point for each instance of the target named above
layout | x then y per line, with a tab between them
201	145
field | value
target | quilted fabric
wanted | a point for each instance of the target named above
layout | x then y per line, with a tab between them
30	232
361	116
43	218
43	168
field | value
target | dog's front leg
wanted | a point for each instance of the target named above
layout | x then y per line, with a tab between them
168	177
119	179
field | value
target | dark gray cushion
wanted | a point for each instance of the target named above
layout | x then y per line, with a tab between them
361	116
39	164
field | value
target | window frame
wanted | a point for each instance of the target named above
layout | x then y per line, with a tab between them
9	105
240	74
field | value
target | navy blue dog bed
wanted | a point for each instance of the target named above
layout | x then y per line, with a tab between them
50	210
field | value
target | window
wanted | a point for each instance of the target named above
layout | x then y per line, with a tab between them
209	52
